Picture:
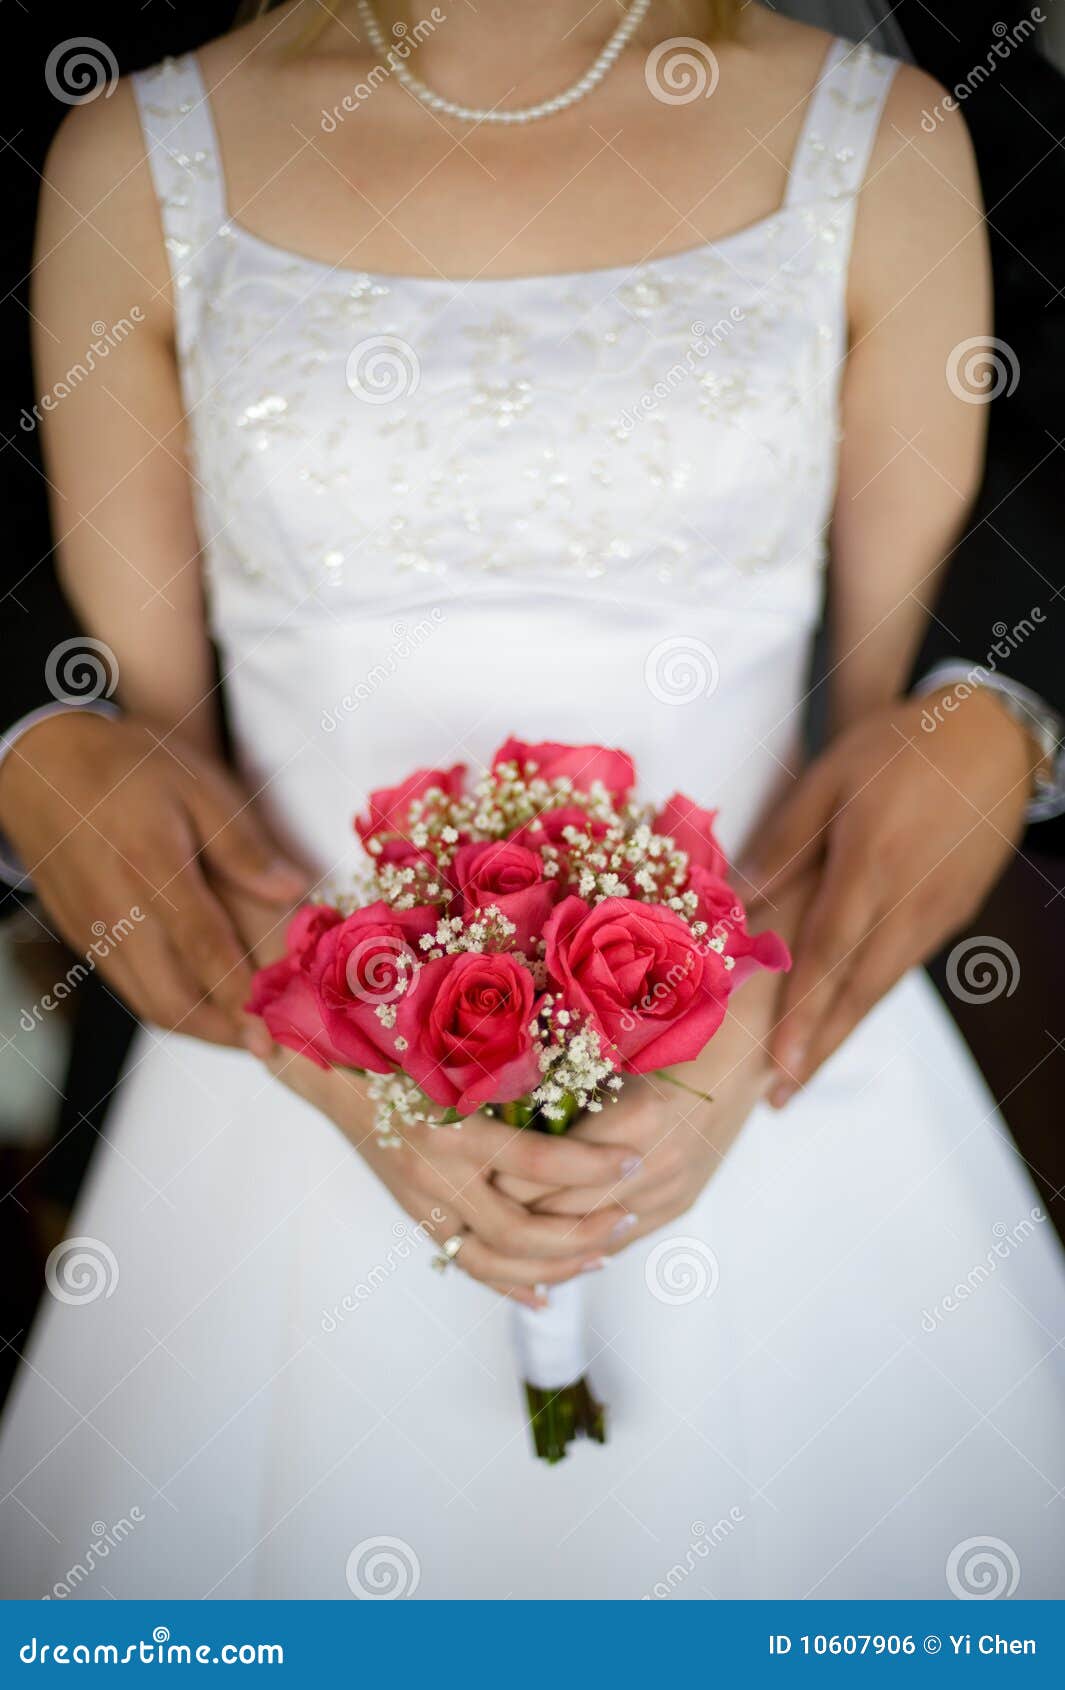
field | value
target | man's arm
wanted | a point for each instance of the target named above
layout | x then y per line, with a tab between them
144	852
122	830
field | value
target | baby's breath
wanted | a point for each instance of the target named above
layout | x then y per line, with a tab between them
398	1104
571	1062
608	849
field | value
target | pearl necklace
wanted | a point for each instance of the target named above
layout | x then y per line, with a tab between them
628	26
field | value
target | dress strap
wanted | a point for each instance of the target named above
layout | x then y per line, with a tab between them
186	166
841	123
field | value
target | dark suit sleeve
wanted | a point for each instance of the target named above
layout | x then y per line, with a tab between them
999	604
1002	600
34	617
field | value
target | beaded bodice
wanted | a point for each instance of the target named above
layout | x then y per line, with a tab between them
365	442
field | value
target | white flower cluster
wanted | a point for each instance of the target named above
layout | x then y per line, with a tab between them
398	1102
573	1065
489	930
612	852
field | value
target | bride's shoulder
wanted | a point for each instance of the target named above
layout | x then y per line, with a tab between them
920	234
923	166
98	186
97	191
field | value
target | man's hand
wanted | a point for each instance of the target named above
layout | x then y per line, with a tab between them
909	830
106	819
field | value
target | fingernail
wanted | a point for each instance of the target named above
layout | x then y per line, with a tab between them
624	1225
595	1266
631	1165
781	1093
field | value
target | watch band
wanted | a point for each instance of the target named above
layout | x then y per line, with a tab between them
1046	727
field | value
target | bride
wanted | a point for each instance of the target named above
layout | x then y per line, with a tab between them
459	405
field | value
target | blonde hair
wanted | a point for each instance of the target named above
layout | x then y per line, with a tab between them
720	17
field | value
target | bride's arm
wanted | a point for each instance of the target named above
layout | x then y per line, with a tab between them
913	438
907	828
110	817
112	419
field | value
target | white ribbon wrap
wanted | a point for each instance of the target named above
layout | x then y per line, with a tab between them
551	1344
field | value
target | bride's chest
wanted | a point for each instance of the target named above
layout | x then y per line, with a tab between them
351	426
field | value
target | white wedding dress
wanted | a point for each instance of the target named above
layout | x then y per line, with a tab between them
588	506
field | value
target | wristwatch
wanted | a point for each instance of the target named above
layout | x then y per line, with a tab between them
1044	725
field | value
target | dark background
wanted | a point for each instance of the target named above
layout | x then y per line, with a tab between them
54	1091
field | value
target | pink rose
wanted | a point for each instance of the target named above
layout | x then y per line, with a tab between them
726	918
581	764
653	993
511	877
306	928
389	806
285	998
549	827
364	963
467	1022
692	831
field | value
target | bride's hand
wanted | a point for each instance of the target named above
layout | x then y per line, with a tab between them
443	1177
683	1137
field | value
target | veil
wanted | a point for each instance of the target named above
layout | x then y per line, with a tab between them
873	21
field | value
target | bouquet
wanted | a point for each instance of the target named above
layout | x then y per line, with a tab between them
519	945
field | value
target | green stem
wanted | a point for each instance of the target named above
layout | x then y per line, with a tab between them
671	1079
559	1417
522	1113
519	1114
